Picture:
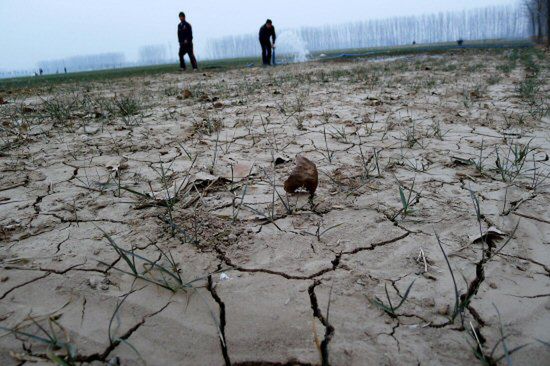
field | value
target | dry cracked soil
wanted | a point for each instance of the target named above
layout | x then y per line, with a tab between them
143	219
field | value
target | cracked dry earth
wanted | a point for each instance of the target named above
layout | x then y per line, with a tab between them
88	190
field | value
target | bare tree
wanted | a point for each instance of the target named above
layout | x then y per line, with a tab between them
152	55
539	18
532	14
539	4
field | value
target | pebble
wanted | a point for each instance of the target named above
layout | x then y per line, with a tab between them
429	276
521	267
93	282
99	282
91	130
443	310
429	302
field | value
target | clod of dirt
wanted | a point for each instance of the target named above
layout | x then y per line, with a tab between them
304	175
187	94
443	310
281	160
2	101
96	282
91	130
28	109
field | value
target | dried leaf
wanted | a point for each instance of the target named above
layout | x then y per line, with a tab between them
304	175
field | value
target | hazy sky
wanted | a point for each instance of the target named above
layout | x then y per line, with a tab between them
35	30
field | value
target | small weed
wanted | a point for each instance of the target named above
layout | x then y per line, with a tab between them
207	125
127	105
411	136
437	131
510	165
369	164
390	309
494	79
408	198
59	109
528	90
327	153
321	231
165	276
479	163
59	350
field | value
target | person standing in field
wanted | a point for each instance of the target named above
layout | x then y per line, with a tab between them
267	31
185	38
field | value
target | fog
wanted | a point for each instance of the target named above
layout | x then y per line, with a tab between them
35	31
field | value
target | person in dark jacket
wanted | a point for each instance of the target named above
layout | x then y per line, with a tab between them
185	38
267	31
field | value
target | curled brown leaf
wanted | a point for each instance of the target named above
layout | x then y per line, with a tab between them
304	175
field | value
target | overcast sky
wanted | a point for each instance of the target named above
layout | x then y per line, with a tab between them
35	30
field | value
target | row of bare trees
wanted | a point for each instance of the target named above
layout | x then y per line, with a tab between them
155	55
494	22
538	12
83	63
148	55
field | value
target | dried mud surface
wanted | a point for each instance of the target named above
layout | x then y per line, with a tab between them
89	171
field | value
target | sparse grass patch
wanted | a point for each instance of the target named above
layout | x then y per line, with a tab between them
60	350
167	276
207	125
127	105
494	79
389	308
529	89
59	109
411	136
510	165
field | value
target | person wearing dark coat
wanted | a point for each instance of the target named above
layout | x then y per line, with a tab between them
267	32
185	38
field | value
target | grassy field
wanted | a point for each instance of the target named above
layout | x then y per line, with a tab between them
222	65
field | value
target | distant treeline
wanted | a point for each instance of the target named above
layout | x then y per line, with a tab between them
153	55
148	55
83	63
497	22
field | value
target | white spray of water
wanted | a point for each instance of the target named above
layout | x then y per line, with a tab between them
291	48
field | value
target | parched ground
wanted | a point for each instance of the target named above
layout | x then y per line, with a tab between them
143	220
